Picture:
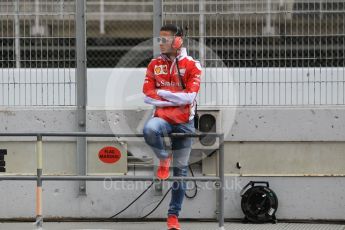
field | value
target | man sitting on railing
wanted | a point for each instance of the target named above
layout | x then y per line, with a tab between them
171	86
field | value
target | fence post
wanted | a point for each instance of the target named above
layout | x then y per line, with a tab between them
202	32
39	155
101	17
81	90
222	182
17	33
157	24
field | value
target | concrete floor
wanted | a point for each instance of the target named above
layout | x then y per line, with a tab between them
161	226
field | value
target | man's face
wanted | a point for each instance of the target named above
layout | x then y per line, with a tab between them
165	42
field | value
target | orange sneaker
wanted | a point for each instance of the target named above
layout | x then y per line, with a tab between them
172	223
163	171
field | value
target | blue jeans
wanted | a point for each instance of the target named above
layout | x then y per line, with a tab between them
181	148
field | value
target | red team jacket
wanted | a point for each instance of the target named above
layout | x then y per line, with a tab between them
163	89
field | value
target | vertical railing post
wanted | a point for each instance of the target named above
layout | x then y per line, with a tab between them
157	24
222	182
39	216
202	32
17	33
81	90
101	17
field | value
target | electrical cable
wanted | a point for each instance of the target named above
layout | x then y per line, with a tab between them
159	203
189	197
195	186
132	201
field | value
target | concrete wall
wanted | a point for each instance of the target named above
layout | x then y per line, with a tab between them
60	158
300	197
279	144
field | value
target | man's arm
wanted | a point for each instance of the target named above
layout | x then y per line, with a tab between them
192	87
158	103
177	98
149	89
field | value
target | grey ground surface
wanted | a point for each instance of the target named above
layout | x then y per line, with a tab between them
161	226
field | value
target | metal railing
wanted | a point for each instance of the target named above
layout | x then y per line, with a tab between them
218	179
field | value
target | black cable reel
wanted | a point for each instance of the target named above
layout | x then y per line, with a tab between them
259	203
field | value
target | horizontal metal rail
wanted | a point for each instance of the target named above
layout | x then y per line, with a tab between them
39	178
104	178
89	134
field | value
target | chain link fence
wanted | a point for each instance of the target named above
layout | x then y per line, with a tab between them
37	53
255	52
266	52
114	27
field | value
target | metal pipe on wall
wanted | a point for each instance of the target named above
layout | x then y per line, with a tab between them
81	76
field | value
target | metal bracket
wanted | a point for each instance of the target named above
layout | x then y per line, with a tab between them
158	187
158	184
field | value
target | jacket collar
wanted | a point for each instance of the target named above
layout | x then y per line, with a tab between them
182	53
